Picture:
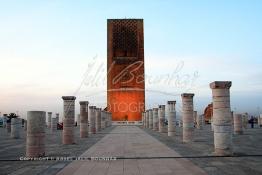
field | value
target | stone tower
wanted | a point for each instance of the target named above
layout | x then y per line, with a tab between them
125	67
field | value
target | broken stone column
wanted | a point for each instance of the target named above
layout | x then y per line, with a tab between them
110	119
83	119
54	124
98	119
145	116
78	120
106	119
200	121
92	119
57	117
232	117
8	127
238	127
171	106
161	115
212	123
147	119
245	120
143	119
188	118
222	117
15	128
195	118
260	124
25	125
155	119
103	119
150	113
68	119
35	138
49	116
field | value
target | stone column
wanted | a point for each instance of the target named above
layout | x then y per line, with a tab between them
110	119
155	119
147	119
143	118
78	119
144	113
260	125
4	121
161	115
92	119
35	139
150	115
49	119
53	124
188	118
8	127
238	127
57	117
245	120
222	117
103	119
15	128
195	118
200	121
106	119
83	119
212	123
171	106
68	119
25	125
232	117
98	119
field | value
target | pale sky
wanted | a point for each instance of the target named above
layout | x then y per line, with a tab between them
53	48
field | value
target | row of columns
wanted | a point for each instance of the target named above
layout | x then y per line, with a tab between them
157	116
91	118
221	121
52	121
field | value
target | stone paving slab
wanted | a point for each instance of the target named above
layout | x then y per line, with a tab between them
137	148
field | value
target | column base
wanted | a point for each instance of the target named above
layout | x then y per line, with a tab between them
238	132
171	134
222	152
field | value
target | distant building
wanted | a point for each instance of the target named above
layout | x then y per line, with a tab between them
125	66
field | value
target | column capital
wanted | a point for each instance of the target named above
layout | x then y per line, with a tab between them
150	110
83	102
161	106
92	107
220	85
49	113
187	95
171	102
68	97
155	109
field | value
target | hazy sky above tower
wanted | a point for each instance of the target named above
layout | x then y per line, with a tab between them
54	48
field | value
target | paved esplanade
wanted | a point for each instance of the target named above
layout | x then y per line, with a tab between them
131	141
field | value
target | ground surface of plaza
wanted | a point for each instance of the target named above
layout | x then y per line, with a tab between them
138	151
